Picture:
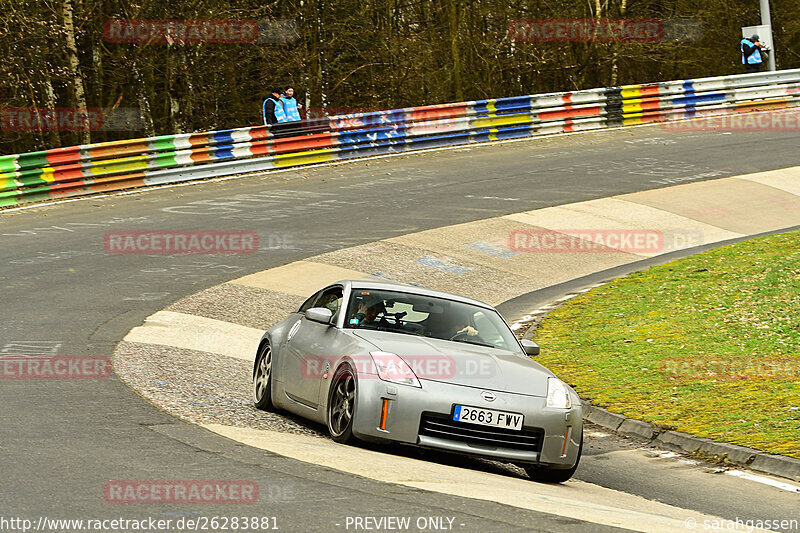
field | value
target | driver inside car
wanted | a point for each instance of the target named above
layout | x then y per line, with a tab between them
468	330
368	309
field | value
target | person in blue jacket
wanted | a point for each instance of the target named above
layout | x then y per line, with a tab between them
290	105
272	109
751	54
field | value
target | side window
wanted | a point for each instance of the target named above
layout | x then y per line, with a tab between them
330	298
308	304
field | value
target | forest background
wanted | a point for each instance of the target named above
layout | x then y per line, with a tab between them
341	56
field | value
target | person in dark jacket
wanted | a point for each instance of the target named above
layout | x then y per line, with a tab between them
272	108
751	54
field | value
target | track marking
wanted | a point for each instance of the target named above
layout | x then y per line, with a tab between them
589	220
192	332
301	278
764	480
785	179
664	455
575	499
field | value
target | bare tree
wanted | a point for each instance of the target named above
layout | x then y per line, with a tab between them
74	67
346	54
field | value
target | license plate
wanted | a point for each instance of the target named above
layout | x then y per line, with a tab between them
488	417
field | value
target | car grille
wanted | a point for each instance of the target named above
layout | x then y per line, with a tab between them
443	427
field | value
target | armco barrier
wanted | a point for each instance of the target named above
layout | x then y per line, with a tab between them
81	170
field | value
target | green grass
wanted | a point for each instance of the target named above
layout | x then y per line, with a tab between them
627	346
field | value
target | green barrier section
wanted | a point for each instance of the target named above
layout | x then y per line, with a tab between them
32	179
167	142
30	176
8	201
166	160
8	163
33	160
36	195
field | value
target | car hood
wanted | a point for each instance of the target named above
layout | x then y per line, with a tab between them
463	364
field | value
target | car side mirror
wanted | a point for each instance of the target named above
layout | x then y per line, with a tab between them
530	347
319	314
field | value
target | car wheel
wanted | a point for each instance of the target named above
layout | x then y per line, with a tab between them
342	405
553	475
262	378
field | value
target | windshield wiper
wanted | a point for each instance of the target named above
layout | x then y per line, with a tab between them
476	343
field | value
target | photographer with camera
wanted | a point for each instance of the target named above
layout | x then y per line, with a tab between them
751	53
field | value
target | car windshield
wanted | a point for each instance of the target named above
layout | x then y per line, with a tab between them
428	316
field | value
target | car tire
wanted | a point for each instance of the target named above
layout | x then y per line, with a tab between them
262	378
554	475
342	404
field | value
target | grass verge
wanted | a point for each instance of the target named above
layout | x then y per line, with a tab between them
707	345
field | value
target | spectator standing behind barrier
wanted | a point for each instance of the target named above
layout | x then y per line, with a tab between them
751	54
290	106
272	108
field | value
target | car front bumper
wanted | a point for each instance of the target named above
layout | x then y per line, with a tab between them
561	429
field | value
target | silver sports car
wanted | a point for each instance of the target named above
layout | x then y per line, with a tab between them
382	361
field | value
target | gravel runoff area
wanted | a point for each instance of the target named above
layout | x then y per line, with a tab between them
395	261
200	387
247	306
203	387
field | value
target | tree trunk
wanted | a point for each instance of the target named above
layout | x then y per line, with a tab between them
38	115
97	68
304	27
145	114
74	68
614	66
323	63
53	136
188	107
174	105
452	17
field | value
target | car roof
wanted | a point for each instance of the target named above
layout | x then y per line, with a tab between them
408	288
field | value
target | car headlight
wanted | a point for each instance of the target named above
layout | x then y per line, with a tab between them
391	367
557	394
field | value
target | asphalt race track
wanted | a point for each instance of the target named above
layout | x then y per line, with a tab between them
61	441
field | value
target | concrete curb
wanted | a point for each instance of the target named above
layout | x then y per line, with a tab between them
777	465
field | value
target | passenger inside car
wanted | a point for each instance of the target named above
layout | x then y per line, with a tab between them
443	326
